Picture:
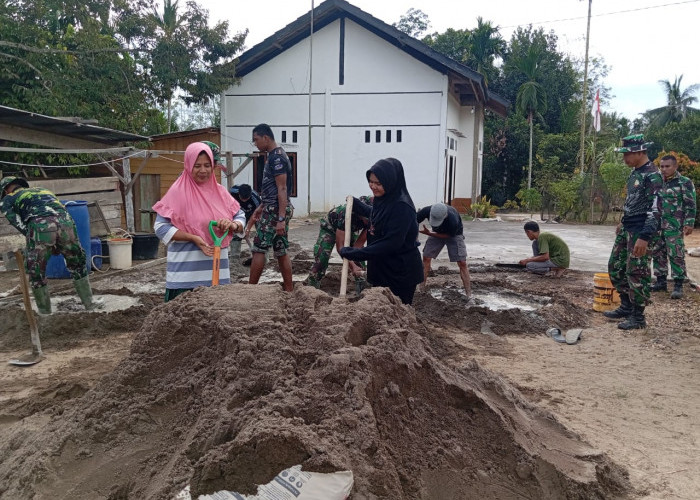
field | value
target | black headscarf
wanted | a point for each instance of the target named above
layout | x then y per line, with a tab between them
390	173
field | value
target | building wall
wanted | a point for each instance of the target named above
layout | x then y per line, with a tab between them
384	90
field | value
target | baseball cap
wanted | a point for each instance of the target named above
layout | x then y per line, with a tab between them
438	213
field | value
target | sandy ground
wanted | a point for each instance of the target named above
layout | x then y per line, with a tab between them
632	396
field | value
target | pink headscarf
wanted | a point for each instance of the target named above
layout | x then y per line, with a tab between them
190	206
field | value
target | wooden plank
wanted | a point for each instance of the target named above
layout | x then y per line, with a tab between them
62	187
128	196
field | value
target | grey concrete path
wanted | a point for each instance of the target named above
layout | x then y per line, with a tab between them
504	241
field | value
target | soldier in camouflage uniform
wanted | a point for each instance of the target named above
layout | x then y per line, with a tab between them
629	261
677	220
332	234
49	228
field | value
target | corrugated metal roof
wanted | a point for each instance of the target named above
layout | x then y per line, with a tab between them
68	128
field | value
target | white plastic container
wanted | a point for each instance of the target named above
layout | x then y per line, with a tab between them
120	253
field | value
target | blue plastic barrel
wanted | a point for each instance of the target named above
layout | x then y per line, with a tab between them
78	210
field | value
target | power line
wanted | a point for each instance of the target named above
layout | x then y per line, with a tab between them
601	15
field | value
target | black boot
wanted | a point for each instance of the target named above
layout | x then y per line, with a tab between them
635	321
660	285
621	312
677	292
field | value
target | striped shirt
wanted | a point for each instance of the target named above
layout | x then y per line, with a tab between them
187	266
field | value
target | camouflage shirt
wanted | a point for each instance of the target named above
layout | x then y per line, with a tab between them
642	210
678	203
25	204
336	217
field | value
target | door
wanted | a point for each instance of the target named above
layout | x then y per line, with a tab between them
450	172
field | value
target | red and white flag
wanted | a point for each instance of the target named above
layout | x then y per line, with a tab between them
596	111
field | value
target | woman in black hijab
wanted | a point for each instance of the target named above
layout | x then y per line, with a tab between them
392	255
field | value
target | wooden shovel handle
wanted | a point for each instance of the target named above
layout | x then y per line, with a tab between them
346	243
24	285
216	267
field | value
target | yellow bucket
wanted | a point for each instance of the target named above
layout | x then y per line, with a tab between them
605	297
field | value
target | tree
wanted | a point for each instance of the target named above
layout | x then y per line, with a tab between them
452	43
678	103
414	23
485	44
531	99
186	55
557	74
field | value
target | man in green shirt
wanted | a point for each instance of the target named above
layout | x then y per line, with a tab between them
549	251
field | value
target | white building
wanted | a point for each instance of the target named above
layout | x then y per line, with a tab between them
376	93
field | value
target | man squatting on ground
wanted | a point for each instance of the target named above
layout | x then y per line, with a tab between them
447	230
549	252
272	216
629	262
249	201
332	233
49	229
678	209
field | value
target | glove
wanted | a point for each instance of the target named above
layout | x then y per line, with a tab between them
347	252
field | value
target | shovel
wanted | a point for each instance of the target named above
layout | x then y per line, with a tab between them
217	252
36	355
508	265
346	243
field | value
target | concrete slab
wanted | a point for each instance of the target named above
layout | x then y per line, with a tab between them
504	241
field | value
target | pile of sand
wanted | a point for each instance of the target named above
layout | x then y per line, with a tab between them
226	387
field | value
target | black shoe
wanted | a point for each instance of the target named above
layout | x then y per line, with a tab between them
677	292
621	312
660	285
247	262
635	321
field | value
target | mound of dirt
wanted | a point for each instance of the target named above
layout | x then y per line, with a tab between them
225	387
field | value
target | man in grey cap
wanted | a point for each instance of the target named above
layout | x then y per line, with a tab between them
447	229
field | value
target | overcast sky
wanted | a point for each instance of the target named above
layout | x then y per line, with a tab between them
650	41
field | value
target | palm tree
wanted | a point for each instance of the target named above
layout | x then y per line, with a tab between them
531	99
168	23
485	44
678	105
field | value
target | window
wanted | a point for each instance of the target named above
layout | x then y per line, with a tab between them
259	166
284	136
368	136
398	136
378	136
388	136
294	136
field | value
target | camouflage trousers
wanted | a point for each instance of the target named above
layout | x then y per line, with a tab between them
668	246
323	249
630	275
53	235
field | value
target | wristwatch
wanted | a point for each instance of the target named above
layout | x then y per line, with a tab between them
280	218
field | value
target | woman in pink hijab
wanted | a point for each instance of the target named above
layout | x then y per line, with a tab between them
182	224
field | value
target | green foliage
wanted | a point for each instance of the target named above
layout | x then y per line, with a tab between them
566	195
452	43
678	103
482	208
530	199
614	176
505	151
414	23
683	136
111	60
510	205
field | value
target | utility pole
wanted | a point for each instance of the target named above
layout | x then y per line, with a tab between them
584	105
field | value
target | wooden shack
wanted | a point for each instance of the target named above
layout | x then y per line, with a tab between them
160	172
